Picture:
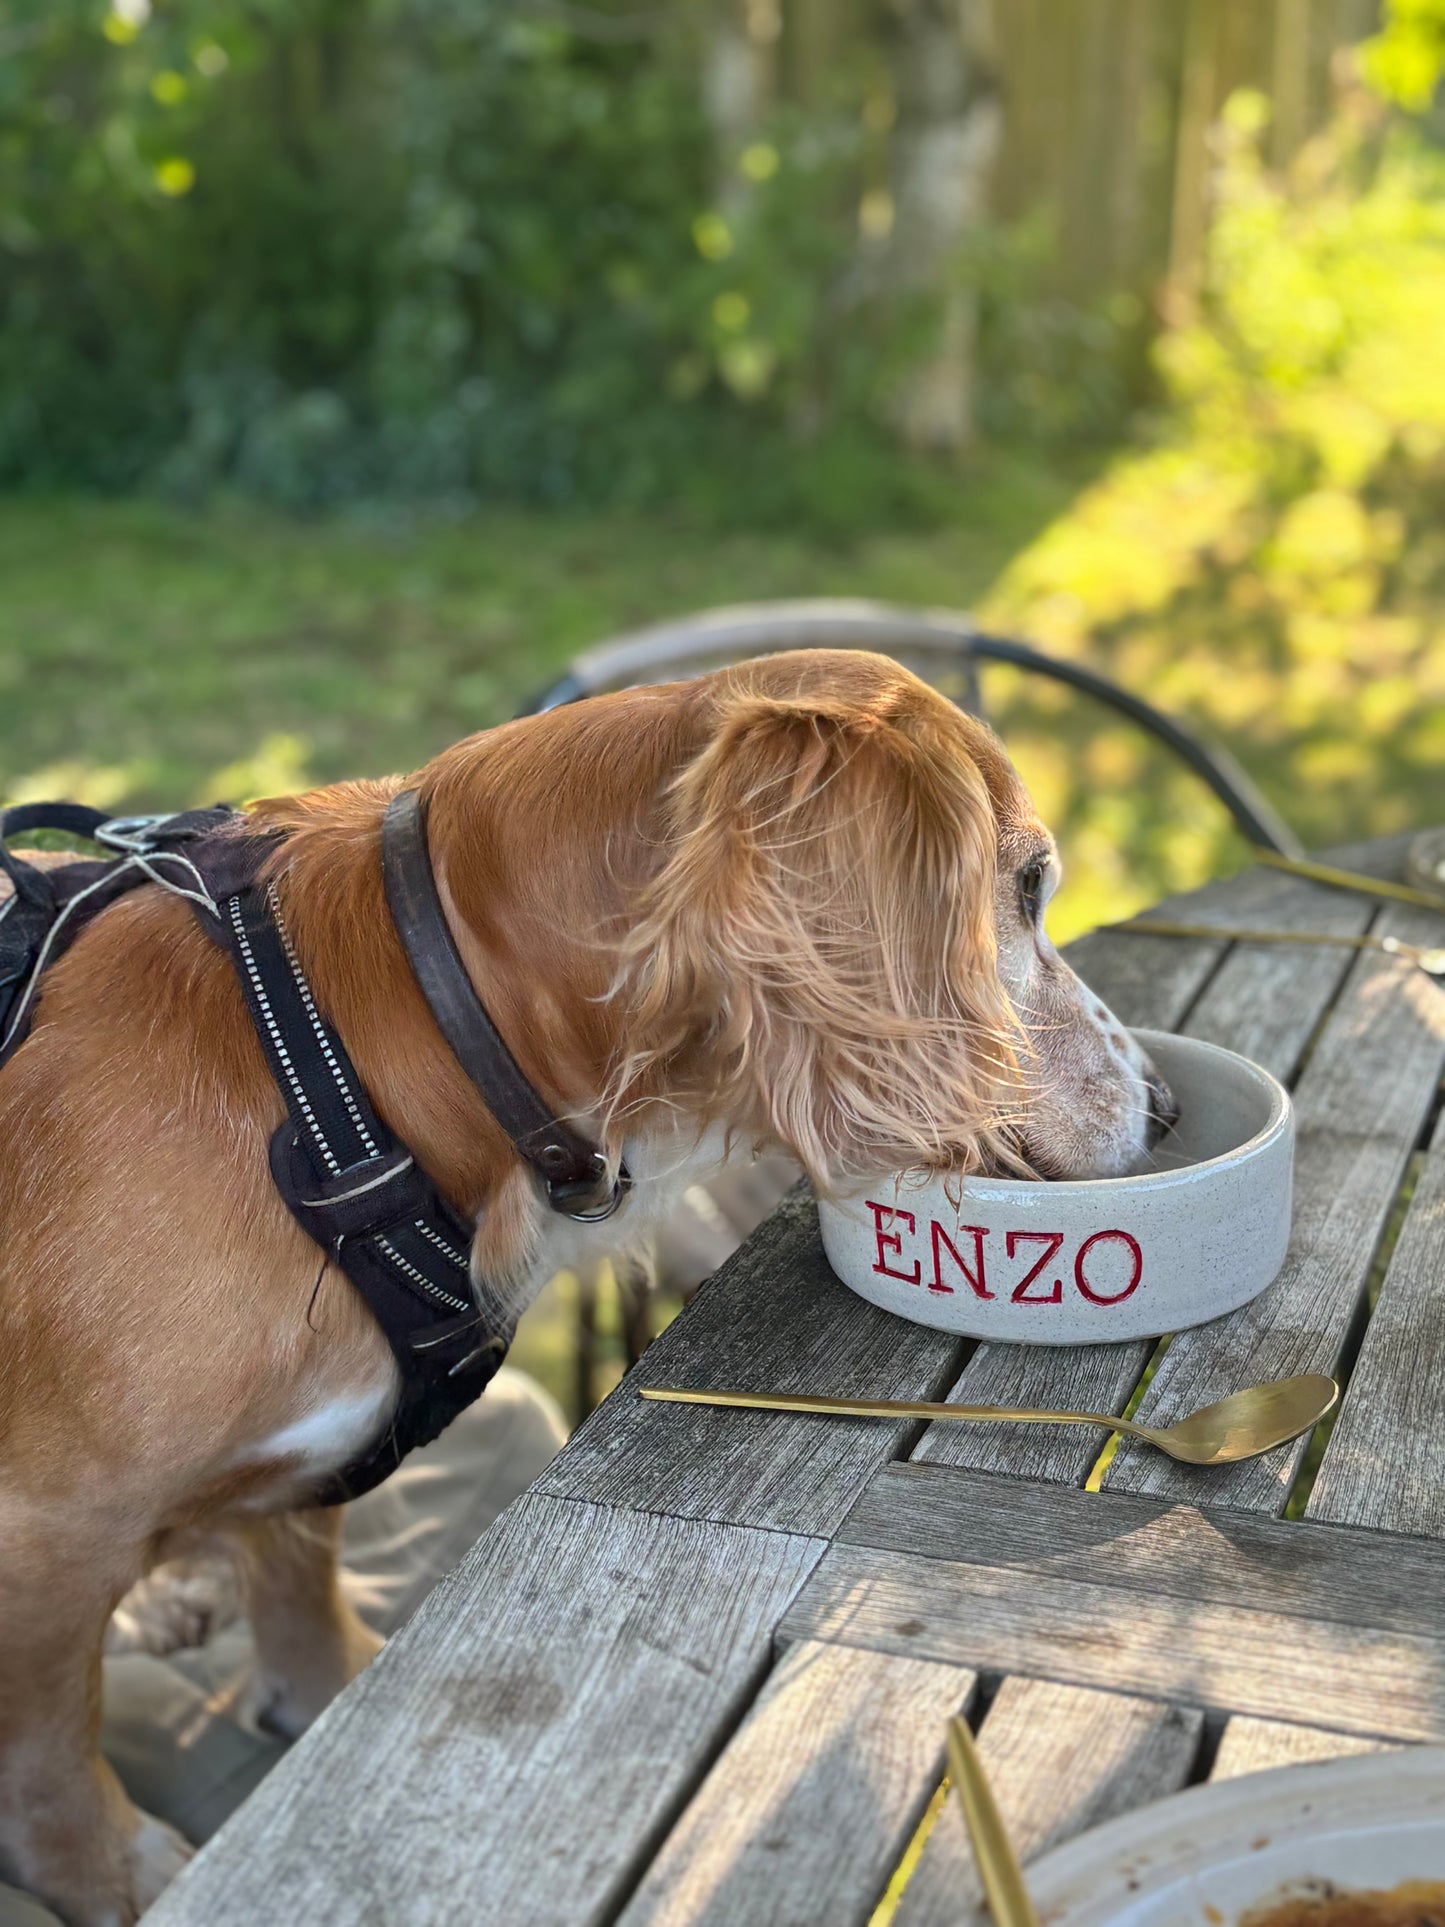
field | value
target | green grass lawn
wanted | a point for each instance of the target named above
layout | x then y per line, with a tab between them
152	657
147	654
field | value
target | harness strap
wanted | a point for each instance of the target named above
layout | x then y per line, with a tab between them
29	884
574	1171
357	1191
47	909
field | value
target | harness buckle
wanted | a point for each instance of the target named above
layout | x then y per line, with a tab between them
133	834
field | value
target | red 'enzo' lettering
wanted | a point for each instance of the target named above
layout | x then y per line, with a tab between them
1050	1240
1112	1297
890	1241
975	1276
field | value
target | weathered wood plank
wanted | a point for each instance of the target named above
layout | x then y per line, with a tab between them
1091	1378
1264	1003
815	1798
1060	1760
1342	1573
1151	982
517	1750
1385	1462
1254	1746
1265	1000
1360	1105
1199	1652
774	1316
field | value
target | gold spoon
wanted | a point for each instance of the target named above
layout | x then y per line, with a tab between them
1431	959
1241	1426
998	1866
1366	886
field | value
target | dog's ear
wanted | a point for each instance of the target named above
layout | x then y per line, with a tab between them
815	959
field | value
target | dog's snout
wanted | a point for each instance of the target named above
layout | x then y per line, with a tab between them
1163	1111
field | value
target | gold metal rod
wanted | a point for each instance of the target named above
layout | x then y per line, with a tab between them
879	1407
1432	961
1227	933
1348	879
998	1866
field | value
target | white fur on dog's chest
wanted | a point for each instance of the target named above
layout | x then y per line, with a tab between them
331	1434
662	1170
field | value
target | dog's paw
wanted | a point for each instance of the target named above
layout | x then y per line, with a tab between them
182	1603
112	1874
157	1854
286	1702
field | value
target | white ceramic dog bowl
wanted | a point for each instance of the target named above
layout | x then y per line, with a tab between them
1086	1262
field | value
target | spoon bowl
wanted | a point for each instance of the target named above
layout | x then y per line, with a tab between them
1246	1423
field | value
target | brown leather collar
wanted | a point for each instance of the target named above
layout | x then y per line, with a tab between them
573	1170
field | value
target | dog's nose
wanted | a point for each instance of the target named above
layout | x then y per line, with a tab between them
1163	1111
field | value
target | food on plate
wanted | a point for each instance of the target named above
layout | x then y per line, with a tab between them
1415	1903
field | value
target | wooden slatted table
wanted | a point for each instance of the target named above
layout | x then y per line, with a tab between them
701	1672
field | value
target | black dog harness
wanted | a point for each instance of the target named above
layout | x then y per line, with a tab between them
350	1183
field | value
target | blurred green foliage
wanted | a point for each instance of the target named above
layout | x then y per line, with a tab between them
1270	560
1405	60
323	251
328	250
390	252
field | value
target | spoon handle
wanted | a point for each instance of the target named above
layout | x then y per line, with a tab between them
998	1867
1430	960
873	1407
1349	879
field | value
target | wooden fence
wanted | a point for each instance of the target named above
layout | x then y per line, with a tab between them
1108	106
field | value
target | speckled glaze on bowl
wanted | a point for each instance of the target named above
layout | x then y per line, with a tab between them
1105	1259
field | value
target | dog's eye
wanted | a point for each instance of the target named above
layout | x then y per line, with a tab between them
1031	887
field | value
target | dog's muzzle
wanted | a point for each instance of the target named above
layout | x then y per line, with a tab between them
1163	1111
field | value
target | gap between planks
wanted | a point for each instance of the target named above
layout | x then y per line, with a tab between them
1384	1464
810	1806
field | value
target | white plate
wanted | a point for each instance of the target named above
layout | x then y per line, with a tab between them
1204	1857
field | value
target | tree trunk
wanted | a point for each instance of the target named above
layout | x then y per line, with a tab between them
1124	160
948	127
1290	79
739	64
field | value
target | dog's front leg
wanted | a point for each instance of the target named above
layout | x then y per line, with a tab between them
67	1830
309	1641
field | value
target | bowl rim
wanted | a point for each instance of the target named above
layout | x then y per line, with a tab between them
1008	1190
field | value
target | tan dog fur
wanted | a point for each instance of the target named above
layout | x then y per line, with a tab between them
774	906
